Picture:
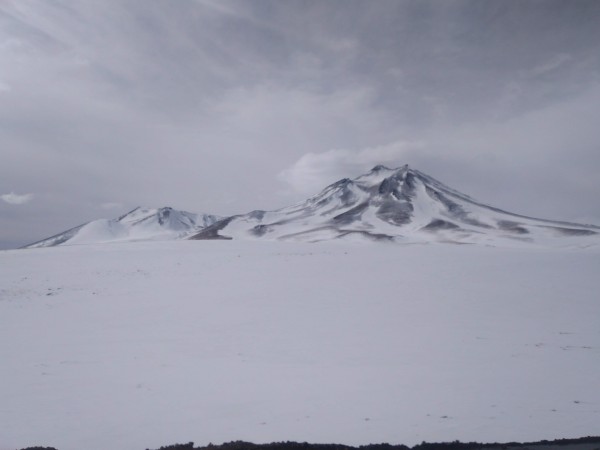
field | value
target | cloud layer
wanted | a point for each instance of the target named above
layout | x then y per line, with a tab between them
16	199
228	106
313	170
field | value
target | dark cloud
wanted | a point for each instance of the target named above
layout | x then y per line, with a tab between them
226	106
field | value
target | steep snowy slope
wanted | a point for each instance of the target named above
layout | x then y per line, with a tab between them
402	205
139	224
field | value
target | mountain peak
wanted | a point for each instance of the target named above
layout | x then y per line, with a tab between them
394	204
379	173
140	223
379	167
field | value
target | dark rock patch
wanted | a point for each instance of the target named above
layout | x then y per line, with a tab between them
572	231
257	214
351	215
260	230
212	231
439	224
394	212
512	227
367	234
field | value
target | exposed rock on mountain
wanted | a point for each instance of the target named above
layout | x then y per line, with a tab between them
402	205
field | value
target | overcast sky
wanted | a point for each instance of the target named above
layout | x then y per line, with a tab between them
224	106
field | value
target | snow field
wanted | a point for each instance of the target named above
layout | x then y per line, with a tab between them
136	345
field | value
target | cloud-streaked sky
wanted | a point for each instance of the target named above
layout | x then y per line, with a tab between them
224	106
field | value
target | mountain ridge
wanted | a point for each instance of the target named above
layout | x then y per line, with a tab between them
138	224
385	204
402	205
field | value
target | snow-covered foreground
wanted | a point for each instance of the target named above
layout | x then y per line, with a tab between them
133	346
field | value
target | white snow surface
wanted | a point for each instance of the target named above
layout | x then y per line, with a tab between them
130	346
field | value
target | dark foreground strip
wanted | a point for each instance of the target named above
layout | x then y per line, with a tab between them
585	443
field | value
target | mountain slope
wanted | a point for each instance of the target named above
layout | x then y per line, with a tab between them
138	224
402	205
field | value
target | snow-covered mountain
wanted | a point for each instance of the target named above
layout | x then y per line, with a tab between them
139	224
402	205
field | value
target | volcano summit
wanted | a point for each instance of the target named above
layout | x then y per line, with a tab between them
402	205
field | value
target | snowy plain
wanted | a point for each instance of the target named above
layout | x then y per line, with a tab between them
130	346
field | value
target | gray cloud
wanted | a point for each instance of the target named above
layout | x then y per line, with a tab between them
314	170
228	106
16	199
